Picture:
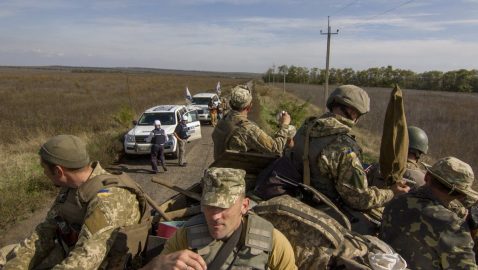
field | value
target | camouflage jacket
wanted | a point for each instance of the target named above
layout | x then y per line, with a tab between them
338	167
236	132
428	234
110	209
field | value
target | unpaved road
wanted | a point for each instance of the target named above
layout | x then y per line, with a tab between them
199	154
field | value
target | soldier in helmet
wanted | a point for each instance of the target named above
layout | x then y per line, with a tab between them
427	226
418	146
92	209
335	159
225	235
236	132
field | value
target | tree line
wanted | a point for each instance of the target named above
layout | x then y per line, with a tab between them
461	80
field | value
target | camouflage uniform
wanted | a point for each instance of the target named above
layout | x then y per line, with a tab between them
425	231
260	245
415	173
337	169
110	209
236	132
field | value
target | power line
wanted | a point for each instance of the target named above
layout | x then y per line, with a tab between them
344	7
390	10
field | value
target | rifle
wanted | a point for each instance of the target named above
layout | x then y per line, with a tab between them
317	194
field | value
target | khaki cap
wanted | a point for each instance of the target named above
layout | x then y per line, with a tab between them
455	174
240	97
65	150
222	186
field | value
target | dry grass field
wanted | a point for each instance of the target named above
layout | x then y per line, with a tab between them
36	104
447	117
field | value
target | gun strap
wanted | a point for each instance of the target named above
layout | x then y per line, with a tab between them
226	250
305	157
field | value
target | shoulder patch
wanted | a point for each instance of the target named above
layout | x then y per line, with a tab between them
96	221
103	193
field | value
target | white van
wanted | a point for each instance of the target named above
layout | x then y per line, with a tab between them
169	115
201	101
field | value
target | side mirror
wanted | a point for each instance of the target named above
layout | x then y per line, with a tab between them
135	122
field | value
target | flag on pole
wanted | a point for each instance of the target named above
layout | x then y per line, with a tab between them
188	95
218	88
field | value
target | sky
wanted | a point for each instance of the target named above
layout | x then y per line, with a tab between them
240	35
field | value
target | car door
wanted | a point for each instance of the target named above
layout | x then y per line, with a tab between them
194	126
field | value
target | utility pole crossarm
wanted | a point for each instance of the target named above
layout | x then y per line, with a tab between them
329	34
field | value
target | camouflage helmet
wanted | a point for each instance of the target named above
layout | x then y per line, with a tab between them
418	139
240	97
222	186
351	96
455	174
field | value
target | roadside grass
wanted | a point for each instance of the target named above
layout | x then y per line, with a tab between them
98	107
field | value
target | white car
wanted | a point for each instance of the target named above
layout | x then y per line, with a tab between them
201	101
169	115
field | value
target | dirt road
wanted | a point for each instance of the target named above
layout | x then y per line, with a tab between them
199	154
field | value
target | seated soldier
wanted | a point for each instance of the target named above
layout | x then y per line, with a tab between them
427	226
225	234
81	228
333	163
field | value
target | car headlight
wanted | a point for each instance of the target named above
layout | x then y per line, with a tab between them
129	138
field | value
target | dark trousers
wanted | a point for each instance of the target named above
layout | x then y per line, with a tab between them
157	151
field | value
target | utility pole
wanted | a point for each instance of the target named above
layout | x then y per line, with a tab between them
273	75
326	92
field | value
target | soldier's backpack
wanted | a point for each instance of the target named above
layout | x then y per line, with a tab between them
320	242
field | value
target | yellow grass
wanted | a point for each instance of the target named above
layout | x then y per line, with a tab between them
97	106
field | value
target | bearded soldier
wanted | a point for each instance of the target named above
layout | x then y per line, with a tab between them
91	218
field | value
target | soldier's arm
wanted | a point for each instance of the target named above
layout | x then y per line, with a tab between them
36	247
351	180
282	254
260	141
177	242
110	209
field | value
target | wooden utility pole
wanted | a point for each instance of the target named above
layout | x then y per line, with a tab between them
326	92
273	75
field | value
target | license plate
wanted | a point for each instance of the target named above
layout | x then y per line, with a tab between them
143	148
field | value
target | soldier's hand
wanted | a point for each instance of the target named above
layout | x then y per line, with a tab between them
179	260
285	118
400	188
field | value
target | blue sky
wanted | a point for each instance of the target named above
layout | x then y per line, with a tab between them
235	35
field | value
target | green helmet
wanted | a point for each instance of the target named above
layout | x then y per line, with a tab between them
418	139
351	96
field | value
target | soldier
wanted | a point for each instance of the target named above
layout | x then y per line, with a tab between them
335	158
427	226
418	146
213	107
236	132
181	134
158	138
225	236
85	227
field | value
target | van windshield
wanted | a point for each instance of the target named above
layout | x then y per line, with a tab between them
201	100
166	118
